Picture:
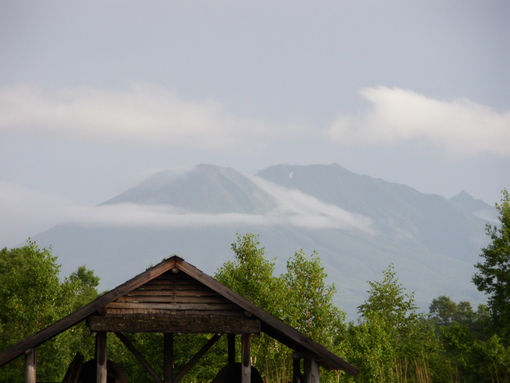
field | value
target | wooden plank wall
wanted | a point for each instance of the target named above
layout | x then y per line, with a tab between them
173	302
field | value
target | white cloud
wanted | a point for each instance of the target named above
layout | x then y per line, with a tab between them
26	213
153	115
460	127
142	114
300	209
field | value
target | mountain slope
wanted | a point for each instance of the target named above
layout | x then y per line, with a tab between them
357	224
397	210
205	189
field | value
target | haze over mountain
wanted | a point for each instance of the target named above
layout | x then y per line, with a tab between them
357	224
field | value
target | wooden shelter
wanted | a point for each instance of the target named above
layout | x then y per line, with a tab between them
176	297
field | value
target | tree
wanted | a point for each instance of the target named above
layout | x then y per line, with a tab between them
33	297
83	282
390	299
444	312
392	341
313	311
493	275
300	297
251	274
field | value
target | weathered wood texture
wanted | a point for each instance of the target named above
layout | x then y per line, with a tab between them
170	292
246	358
30	366
311	374
173	302
101	369
175	323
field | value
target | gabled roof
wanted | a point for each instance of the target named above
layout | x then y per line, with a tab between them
271	325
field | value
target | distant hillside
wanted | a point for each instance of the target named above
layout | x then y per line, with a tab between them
357	224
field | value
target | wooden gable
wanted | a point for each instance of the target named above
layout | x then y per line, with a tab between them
173	302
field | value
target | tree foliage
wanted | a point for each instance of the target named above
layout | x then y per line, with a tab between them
301	297
389	298
493	274
392	341
32	297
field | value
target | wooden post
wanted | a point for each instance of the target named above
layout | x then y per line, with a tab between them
101	373
311	371
296	369
246	358
231	348
30	366
168	351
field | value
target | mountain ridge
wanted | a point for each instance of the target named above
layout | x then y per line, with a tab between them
358	224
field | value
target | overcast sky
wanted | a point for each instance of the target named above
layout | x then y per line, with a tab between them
97	95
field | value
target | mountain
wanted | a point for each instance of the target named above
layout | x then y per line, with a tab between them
358	225
476	207
207	189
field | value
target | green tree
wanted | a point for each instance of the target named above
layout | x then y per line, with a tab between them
313	311
390	299
300	297
392	341
443	310
32	297
250	274
493	275
83	283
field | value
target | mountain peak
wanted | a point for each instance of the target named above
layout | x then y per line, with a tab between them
203	189
468	202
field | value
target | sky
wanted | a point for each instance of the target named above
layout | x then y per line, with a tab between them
96	96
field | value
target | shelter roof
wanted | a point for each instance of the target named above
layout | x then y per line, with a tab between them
269	324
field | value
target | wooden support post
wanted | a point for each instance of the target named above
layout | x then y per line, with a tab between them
231	348
296	369
101	372
30	366
168	372
311	371
246	358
